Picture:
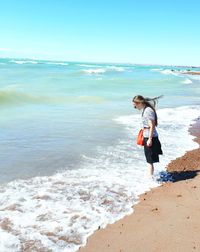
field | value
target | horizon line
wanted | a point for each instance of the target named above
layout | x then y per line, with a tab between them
100	62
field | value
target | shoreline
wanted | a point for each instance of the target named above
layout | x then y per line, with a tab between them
192	73
166	218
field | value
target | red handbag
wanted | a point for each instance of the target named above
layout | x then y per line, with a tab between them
140	138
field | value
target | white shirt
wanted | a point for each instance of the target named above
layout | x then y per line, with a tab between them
148	114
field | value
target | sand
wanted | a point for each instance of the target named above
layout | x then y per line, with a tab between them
167	218
191	72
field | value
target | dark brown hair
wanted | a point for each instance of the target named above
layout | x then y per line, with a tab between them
148	102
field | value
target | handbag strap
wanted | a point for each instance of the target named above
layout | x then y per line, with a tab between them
143	110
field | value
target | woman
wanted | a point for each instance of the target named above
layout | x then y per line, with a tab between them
152	145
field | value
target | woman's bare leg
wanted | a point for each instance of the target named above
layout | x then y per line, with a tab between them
150	169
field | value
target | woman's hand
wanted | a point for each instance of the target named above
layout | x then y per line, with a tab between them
149	142
151	124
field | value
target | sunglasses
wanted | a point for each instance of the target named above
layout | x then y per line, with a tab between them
137	102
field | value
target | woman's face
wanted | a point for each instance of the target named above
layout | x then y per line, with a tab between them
138	105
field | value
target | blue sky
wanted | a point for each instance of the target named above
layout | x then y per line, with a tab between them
157	32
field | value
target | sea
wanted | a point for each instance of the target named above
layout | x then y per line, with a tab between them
69	162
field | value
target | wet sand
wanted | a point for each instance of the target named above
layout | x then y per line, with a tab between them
166	218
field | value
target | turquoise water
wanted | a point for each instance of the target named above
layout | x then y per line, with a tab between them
69	162
52	113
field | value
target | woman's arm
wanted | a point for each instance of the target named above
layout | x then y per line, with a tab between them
151	124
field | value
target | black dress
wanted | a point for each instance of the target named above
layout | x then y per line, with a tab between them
152	153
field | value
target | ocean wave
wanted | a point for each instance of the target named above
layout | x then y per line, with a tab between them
187	81
87	65
57	63
179	73
20	62
116	68
171	120
156	69
106	69
169	71
10	96
94	71
59	212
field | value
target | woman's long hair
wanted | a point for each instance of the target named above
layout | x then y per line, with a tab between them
148	102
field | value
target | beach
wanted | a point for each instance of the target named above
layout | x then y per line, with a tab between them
165	219
69	159
72	176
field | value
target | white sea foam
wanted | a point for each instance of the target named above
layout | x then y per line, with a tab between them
87	65
169	71
187	81
58	63
156	69
10	242
103	70
171	121
59	212
32	62
94	71
164	71
20	62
